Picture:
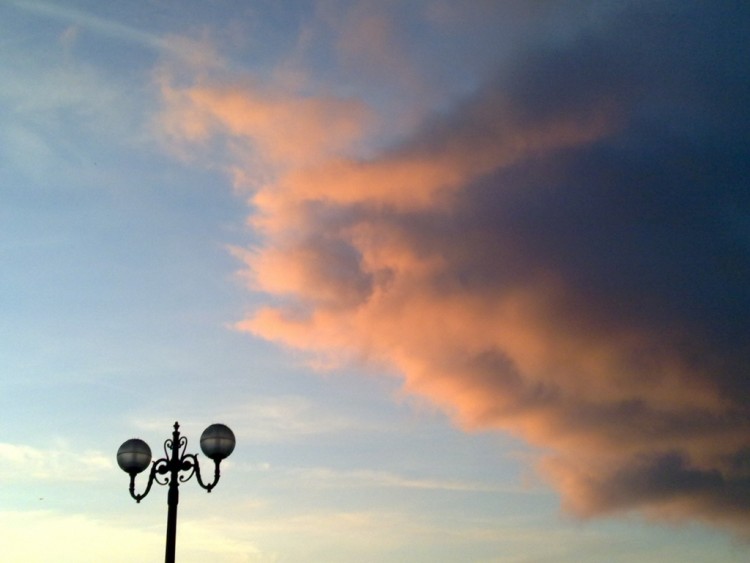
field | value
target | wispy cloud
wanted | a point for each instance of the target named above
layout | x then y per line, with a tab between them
563	256
95	23
20	462
190	52
271	419
20	533
321	476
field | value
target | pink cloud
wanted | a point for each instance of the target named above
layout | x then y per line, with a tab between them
284	130
549	260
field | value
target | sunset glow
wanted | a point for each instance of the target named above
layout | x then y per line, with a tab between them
468	280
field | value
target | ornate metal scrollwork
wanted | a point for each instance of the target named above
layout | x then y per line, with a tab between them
168	469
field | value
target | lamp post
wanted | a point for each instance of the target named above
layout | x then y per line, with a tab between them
134	456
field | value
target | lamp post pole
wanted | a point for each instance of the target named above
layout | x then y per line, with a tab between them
173	497
134	456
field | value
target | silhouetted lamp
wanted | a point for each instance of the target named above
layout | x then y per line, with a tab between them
217	442
134	456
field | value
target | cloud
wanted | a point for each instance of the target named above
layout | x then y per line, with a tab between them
564	256
106	27
326	477
269	419
21	463
287	418
200	541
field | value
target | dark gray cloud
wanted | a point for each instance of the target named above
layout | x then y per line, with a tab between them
564	256
646	229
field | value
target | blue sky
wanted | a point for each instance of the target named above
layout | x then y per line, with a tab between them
416	255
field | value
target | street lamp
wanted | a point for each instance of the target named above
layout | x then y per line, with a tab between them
134	456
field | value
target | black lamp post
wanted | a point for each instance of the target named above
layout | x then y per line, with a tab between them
134	456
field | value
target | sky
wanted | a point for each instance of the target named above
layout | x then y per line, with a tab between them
468	280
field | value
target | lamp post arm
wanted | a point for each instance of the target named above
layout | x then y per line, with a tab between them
193	461
159	466
151	477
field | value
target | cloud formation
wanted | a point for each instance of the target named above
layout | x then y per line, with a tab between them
21	462
564	256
